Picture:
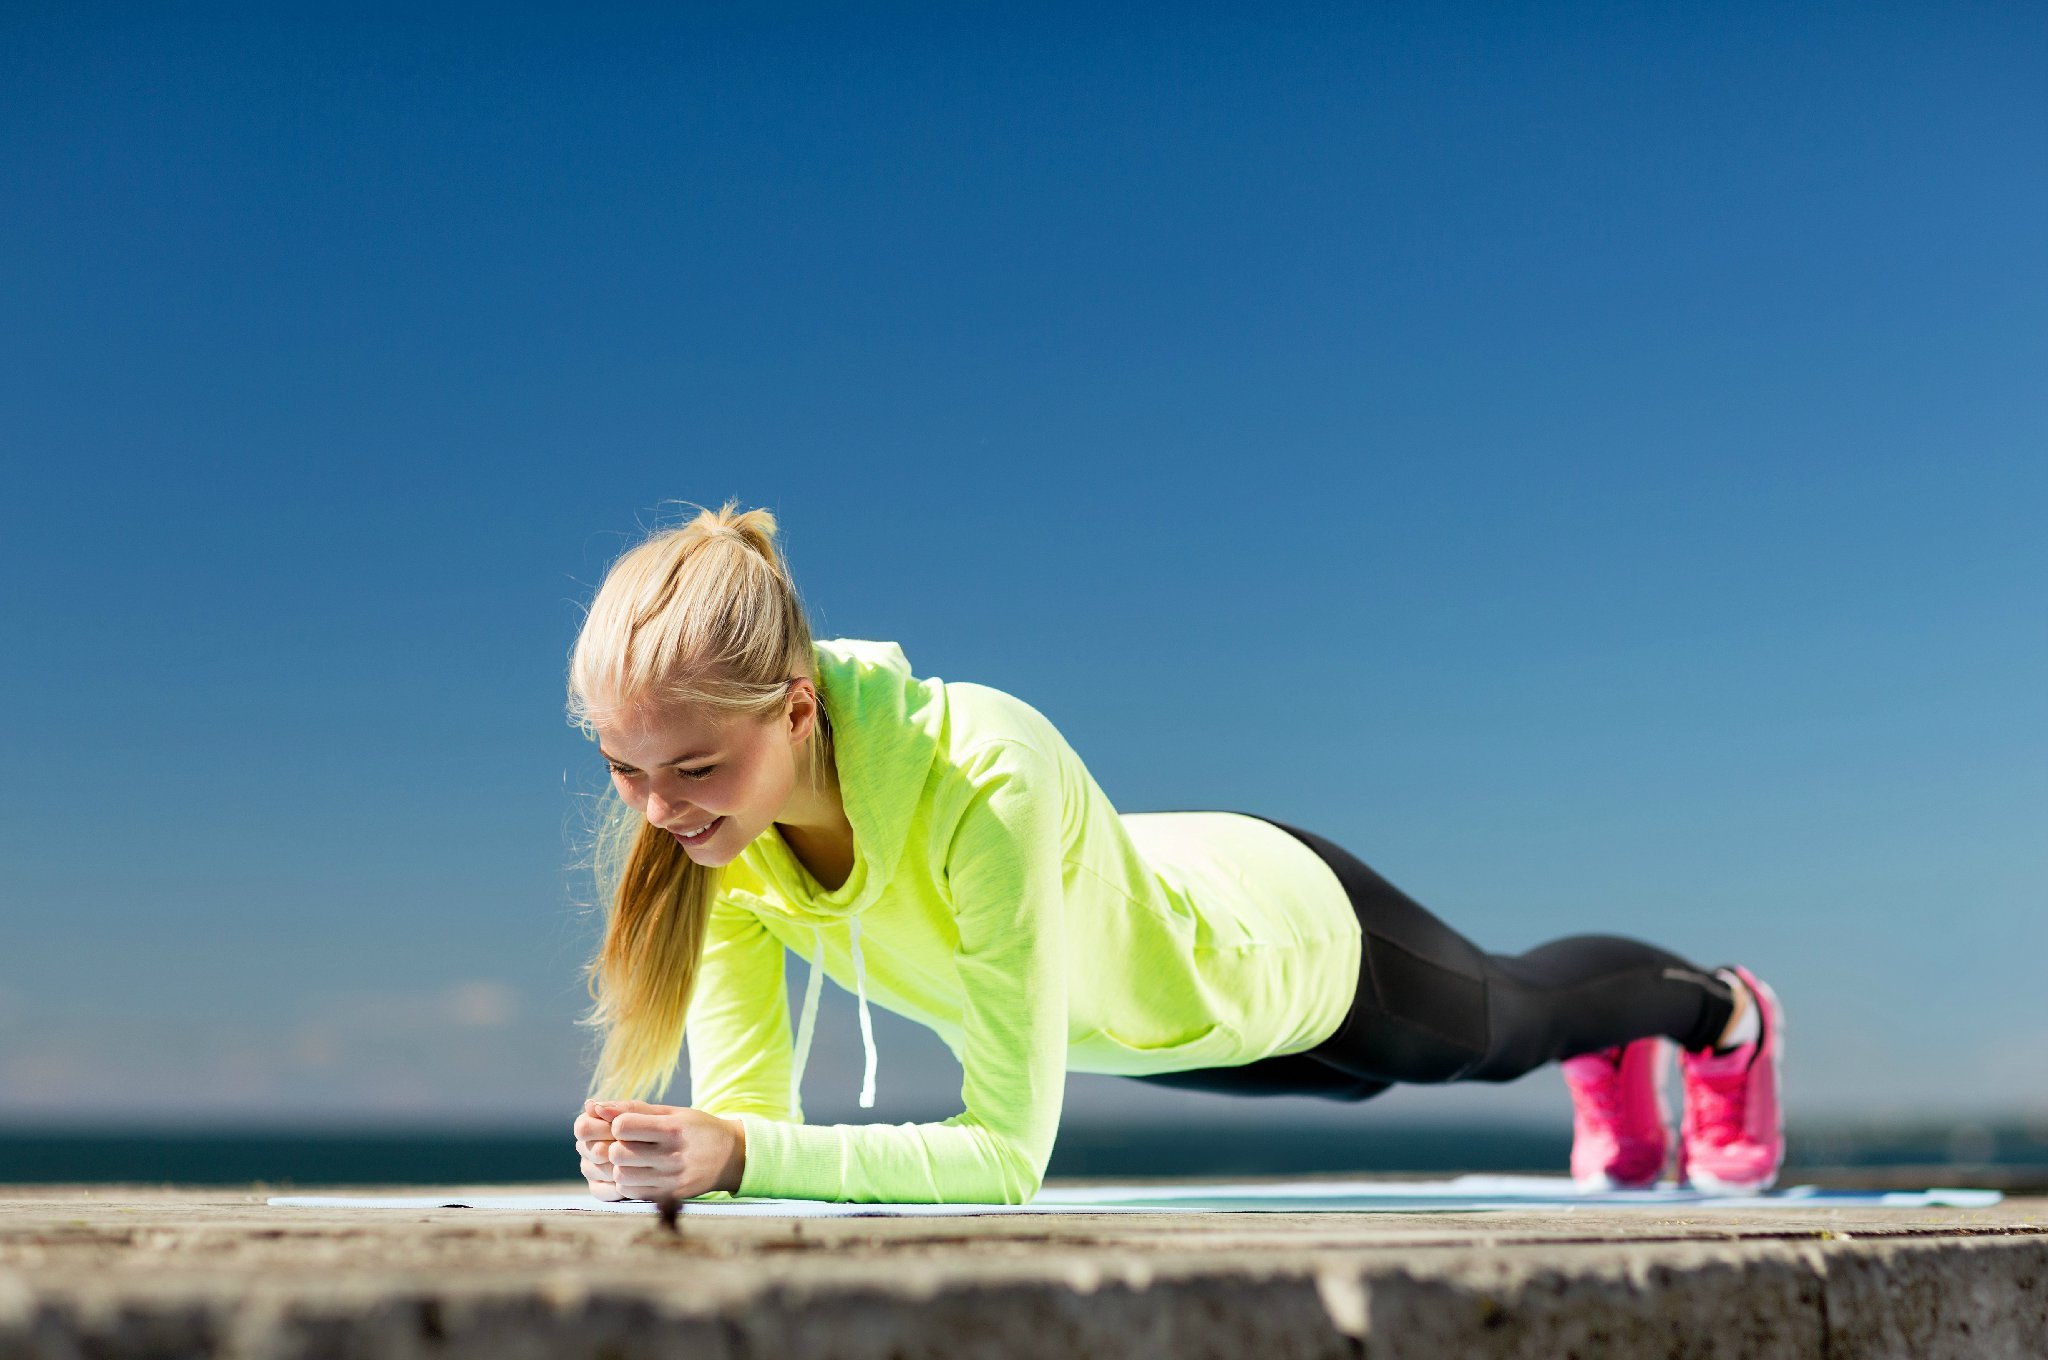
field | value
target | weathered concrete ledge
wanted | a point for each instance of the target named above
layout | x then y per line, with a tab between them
139	1273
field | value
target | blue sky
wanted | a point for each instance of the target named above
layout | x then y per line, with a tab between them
1587	460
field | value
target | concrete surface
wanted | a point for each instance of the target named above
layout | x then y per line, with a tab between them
107	1272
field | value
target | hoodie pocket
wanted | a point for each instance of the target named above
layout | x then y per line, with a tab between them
1160	1039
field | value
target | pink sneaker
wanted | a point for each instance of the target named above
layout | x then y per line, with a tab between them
1620	1123
1732	1139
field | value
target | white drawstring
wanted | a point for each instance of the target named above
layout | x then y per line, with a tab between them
807	1022
867	1028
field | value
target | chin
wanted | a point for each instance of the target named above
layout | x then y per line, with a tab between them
718	855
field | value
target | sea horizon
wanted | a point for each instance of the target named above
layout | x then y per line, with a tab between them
45	1152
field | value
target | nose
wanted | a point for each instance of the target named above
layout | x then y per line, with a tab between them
657	810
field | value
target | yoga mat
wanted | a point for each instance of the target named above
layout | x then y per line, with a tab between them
1460	1194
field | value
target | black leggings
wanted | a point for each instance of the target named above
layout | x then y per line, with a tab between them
1431	1006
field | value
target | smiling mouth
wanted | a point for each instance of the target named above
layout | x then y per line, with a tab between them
704	834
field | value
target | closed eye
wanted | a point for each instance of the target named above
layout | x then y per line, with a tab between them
700	773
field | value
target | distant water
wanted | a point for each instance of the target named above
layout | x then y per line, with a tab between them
408	1158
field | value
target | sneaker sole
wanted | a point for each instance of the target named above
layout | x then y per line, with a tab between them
1708	1185
1600	1185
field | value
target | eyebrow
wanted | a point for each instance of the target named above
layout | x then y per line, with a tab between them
694	755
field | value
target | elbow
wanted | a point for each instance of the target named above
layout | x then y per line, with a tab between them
1003	1171
1021	1175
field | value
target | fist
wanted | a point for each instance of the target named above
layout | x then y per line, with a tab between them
593	1141
633	1150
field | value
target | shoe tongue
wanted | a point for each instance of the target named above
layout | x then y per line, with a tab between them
1731	1068
1741	1056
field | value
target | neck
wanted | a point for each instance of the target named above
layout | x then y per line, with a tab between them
815	811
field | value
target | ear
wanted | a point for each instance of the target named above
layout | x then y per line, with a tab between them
802	707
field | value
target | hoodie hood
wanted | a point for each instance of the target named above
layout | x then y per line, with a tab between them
886	729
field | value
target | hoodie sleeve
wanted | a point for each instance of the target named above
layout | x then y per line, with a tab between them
737	1027
1003	867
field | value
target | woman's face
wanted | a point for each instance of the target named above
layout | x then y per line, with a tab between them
686	770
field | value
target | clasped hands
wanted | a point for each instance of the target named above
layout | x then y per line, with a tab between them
633	1150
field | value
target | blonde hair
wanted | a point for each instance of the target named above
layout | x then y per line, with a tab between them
702	616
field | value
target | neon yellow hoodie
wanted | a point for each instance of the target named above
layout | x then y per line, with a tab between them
999	899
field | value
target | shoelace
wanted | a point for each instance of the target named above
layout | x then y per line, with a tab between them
1605	1095
1716	1105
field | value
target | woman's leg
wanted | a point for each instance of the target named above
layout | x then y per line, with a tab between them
1589	992
1431	1006
1290	1074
